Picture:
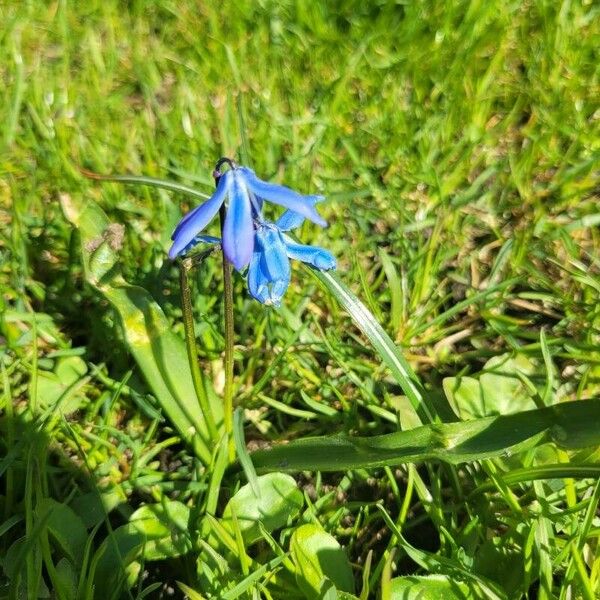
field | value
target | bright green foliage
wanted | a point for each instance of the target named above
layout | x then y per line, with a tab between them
319	561
431	587
278	503
499	390
458	146
571	426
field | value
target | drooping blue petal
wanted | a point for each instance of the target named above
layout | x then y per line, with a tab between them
257	204
269	272
220	192
274	253
291	220
312	255
238	230
196	220
258	280
282	195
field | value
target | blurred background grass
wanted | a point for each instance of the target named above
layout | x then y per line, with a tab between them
457	144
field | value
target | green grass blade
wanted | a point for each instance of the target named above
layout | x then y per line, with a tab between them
164	184
383	344
570	425
242	452
254	577
557	471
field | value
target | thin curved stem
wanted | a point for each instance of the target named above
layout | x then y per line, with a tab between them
229	333
190	341
228	321
222	161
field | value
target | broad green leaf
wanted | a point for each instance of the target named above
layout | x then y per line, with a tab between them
500	559
279	501
67	579
65	528
160	354
115	560
165	528
59	385
318	557
429	587
328	591
93	507
570	425
497	391
13	567
155	532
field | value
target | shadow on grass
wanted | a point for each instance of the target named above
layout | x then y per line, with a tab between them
64	530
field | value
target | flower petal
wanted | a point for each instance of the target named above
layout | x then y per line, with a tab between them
291	220
196	220
274	254
282	195
312	255
269	272
238	231
258	281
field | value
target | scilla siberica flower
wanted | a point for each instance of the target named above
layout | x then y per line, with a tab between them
269	247
245	194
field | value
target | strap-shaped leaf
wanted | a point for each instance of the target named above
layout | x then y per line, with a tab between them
172	186
570	425
158	351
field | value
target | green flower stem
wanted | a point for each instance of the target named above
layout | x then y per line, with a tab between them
190	341
228	310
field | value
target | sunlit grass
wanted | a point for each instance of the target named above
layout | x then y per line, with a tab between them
458	146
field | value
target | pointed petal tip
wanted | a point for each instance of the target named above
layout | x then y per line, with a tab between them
239	263
239	256
174	251
326	262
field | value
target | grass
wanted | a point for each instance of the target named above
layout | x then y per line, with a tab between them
458	146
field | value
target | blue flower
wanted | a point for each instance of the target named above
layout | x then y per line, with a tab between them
245	194
269	271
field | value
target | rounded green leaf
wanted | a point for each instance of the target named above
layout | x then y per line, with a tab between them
65	527
280	500
317	557
164	527
429	587
498	390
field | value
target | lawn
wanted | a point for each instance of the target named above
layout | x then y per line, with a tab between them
421	422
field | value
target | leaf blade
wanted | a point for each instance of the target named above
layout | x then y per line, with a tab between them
570	425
